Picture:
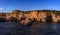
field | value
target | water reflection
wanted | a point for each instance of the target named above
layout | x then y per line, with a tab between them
15	28
12	28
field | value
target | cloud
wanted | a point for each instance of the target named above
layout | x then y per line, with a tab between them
1	8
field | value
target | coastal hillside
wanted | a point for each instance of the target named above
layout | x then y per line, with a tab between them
30	16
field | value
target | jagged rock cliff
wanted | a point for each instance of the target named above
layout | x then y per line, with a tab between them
35	15
39	15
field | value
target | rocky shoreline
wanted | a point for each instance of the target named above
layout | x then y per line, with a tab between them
30	16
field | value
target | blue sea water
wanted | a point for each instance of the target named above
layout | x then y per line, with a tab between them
15	28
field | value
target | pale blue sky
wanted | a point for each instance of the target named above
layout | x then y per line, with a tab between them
10	5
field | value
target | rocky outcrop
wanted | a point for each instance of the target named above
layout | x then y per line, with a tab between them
35	15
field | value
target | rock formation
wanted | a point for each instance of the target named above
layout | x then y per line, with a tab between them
28	16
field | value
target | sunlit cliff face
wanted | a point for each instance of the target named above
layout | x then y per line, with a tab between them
8	16
54	17
39	16
14	13
58	18
43	16
32	15
26	21
20	16
36	15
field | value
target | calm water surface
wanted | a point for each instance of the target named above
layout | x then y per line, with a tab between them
15	28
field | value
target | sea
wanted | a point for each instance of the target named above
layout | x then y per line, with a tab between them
36	28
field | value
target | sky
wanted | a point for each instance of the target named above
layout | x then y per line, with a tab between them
26	5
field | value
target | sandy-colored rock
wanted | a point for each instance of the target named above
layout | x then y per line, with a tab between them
31	15
54	18
25	22
8	15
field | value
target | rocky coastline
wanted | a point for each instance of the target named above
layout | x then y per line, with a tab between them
31	16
